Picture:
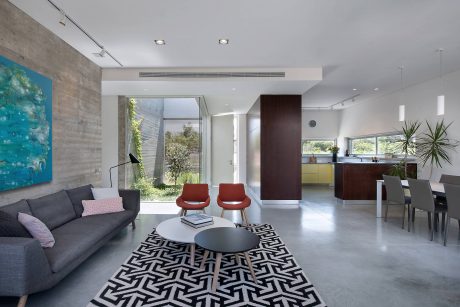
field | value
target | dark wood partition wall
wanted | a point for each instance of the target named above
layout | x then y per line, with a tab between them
280	147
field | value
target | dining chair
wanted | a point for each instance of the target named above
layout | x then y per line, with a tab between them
453	208
233	197
195	196
422	198
450	179
396	196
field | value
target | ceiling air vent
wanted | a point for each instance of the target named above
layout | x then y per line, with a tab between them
192	75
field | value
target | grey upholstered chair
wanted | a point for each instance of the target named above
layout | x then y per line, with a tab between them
422	198
395	196
450	179
453	202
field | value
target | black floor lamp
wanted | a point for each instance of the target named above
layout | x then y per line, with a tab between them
132	159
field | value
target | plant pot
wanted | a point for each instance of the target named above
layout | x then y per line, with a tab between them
334	157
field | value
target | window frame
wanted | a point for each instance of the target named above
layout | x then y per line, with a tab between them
376	137
317	139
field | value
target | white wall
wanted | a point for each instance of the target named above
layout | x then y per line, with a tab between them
221	149
109	118
241	147
327	124
381	115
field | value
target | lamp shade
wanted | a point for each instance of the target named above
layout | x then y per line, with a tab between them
133	159
402	113
440	105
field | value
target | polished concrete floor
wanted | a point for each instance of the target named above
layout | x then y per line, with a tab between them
352	258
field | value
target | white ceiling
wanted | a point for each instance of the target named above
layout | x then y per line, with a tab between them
359	43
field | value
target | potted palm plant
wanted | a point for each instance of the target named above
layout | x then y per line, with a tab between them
407	146
334	150
434	145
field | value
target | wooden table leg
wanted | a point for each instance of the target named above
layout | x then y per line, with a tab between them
22	301
216	272
237	257
248	259
192	254
205	257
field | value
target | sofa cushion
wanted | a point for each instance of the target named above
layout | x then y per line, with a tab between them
11	227
37	229
54	210
102	206
79	194
77	236
14	208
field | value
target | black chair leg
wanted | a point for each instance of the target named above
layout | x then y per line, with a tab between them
413	215
443	221
408	218
432	228
436	221
133	223
429	220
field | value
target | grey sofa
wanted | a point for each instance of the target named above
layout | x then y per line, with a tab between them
26	267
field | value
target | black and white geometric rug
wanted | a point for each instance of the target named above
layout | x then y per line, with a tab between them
158	273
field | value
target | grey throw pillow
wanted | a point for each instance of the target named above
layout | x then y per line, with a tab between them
10	226
37	229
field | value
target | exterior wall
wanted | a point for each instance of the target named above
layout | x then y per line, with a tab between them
77	151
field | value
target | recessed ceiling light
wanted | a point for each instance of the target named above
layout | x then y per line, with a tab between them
376	89
224	41
226	104
355	89
160	42
234	89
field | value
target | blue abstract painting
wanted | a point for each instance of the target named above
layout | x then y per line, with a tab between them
25	126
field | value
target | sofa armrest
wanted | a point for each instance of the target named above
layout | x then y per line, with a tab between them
131	200
23	266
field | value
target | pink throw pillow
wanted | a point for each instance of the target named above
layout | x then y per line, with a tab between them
37	229
101	206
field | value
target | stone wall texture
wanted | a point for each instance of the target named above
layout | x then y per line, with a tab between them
76	101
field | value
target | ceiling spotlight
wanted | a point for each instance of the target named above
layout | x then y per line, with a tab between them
224	41
234	89
160	42
63	20
355	89
101	53
376	89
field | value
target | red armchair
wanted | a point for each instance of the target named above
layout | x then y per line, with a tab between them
233	197
195	196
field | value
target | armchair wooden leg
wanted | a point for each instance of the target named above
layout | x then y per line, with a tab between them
181	212
242	217
133	224
222	214
204	211
185	212
22	301
245	217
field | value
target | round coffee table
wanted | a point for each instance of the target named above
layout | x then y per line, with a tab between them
174	230
226	240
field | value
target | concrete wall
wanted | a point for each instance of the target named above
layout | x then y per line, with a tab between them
109	139
381	115
76	101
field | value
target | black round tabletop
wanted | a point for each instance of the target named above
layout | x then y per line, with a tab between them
227	240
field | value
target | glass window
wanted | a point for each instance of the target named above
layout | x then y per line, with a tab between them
317	147
363	146
389	144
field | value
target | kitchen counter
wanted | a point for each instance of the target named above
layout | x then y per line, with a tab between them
355	181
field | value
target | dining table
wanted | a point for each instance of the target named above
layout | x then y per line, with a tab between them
436	187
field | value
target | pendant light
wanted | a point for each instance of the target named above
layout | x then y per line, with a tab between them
402	107
441	98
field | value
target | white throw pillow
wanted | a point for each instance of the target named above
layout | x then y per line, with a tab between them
37	229
104	193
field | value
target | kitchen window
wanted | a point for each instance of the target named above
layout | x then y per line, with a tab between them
376	145
317	146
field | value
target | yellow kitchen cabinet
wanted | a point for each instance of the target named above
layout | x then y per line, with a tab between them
317	173
325	173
